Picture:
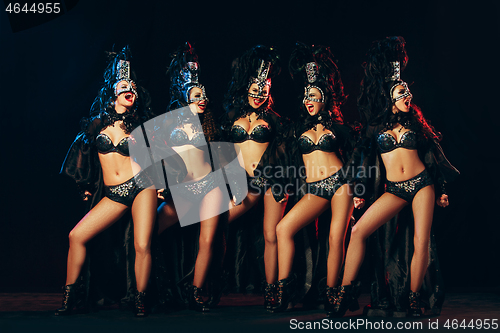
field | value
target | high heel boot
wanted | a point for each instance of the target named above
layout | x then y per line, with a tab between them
140	304
330	300
414	309
286	290
347	299
73	300
196	301
269	297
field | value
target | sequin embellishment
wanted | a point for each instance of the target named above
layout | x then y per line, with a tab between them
122	190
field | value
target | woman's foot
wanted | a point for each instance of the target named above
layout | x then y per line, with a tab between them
269	296
347	299
330	300
140	304
286	290
196	301
73	299
414	309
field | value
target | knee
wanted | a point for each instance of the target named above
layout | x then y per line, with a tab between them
206	243
282	231
75	238
357	234
142	248
270	237
336	240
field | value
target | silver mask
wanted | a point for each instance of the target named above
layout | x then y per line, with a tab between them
261	80
123	74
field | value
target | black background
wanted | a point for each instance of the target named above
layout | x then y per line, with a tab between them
51	69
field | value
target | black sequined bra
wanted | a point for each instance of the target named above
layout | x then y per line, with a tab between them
327	143
179	138
261	134
105	145
387	142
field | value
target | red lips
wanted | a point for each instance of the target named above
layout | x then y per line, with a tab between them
310	108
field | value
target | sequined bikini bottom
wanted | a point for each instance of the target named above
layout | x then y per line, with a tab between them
327	187
126	192
407	189
196	190
257	184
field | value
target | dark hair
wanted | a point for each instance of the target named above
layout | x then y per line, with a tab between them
242	70
328	78
180	58
374	100
103	104
184	54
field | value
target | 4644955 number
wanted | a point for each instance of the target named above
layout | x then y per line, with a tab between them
472	324
35	8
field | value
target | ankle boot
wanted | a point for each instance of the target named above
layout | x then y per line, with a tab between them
414	309
269	297
196	301
347	299
331	300
73	299
286	290
216	289
140	304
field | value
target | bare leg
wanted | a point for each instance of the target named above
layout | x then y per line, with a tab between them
387	206
210	206
143	214
342	206
303	213
236	211
273	213
102	216
423	210
167	216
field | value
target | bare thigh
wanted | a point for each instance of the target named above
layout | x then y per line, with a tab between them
423	212
342	206
303	212
236	211
381	211
143	215
211	204
98	219
273	213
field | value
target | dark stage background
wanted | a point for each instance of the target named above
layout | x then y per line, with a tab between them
51	71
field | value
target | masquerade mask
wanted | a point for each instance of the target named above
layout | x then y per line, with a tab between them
261	80
406	93
312	74
123	74
396	79
308	98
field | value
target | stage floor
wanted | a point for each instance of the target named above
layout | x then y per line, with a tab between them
24	312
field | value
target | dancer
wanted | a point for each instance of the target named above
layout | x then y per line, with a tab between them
319	146
99	161
413	166
253	126
187	127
